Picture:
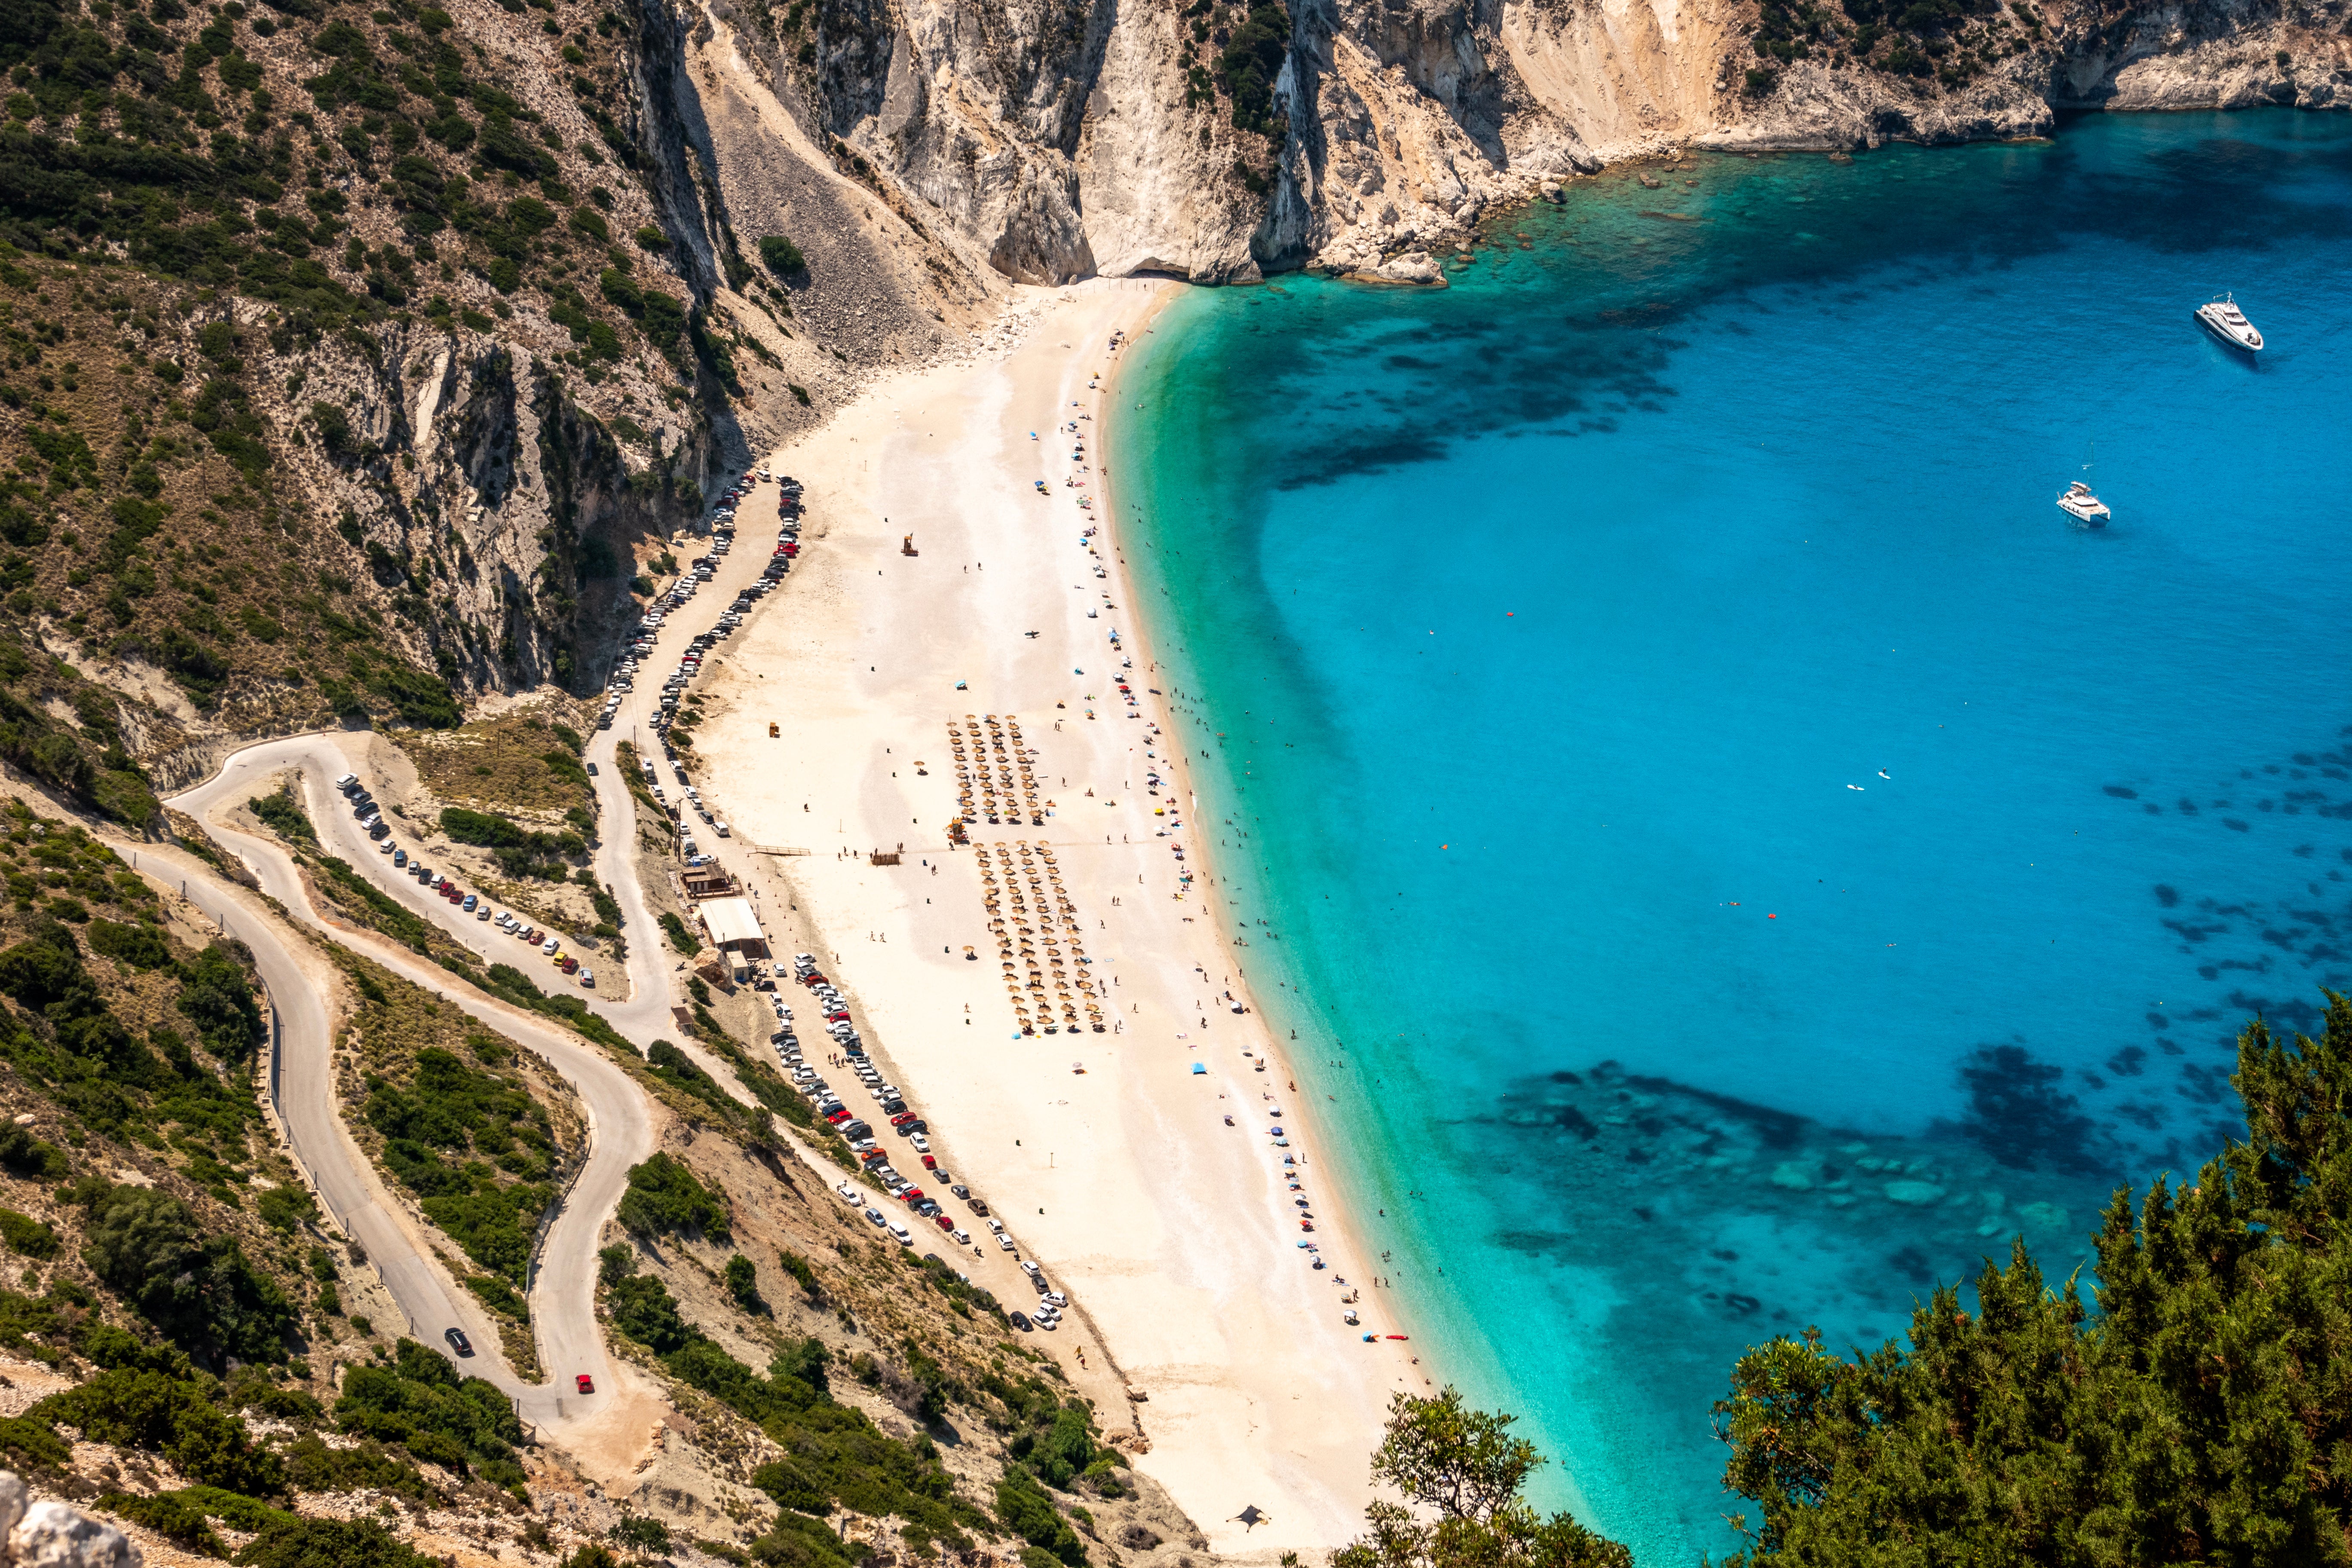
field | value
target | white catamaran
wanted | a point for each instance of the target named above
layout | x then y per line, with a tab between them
2077	502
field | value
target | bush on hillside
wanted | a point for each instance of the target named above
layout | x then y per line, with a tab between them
664	1198
782	256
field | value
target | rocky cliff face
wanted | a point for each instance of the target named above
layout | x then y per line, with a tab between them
1048	139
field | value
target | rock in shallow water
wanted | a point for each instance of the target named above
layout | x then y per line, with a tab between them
1412	266
1795	1177
1917	1193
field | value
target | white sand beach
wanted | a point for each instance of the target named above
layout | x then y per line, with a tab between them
1176	1234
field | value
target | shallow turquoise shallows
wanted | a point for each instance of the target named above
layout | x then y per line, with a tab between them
1734	854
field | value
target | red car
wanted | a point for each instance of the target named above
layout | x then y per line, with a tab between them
838	1117
902	1119
946	1224
587	1384
930	1162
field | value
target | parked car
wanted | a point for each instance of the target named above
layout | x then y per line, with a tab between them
1019	1321
458	1342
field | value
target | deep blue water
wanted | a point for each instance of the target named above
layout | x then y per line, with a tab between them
1537	631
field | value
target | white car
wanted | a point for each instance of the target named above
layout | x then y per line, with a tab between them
921	1144
588	977
1029	1269
847	1192
552	946
962	1237
482	911
997	1225
1004	1241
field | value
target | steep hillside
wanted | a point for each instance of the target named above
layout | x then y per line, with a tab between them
850	1379
339	376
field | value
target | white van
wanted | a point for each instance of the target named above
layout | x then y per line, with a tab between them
720	828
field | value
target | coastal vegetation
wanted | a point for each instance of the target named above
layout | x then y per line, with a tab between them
2198	1409
1464	1472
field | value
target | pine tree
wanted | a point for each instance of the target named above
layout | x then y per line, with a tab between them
2202	1415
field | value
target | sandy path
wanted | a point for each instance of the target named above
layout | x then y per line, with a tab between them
1175	1231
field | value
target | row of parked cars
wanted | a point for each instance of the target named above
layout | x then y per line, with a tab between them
891	1108
549	946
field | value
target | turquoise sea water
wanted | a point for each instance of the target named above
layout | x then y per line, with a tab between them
1734	855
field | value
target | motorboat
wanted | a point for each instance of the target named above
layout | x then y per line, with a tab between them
2222	316
2077	502
2084	507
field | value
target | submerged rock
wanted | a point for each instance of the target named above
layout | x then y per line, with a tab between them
1796	1177
1914	1193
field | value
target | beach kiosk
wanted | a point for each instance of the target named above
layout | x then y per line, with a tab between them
735	931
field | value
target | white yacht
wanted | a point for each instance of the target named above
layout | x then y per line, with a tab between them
2084	507
2223	318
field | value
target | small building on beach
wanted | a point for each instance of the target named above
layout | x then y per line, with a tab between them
734	929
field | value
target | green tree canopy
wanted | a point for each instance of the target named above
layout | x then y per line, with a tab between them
1465	1467
2202	1415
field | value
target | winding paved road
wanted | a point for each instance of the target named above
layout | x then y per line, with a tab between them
562	1294
636	1001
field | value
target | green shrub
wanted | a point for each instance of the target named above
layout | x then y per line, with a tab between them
422	1402
27	1235
680	936
300	1543
199	1290
141	946
286	1207
798	1267
168	1514
217	996
744	1284
642	1534
1024	1509
441	1135
782	256
285	816
159	1412
27	1155
664	1198
312	1467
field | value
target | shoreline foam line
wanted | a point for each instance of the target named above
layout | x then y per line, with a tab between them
1335	1139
